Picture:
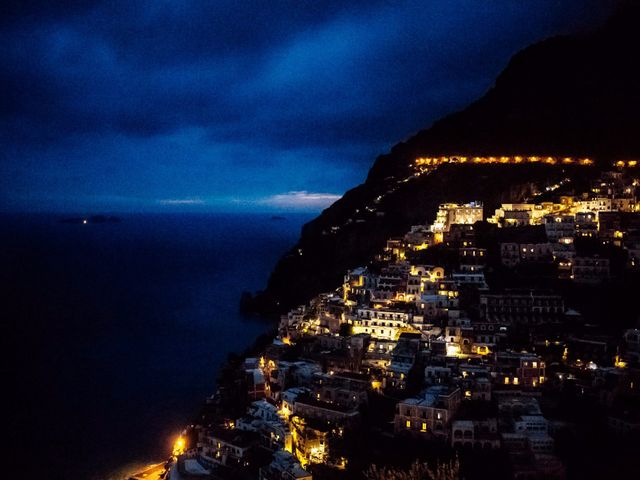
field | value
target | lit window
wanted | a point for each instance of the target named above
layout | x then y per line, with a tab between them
408	424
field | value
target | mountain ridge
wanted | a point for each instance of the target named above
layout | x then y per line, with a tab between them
538	103
564	96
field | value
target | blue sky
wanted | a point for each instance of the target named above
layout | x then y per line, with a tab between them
156	105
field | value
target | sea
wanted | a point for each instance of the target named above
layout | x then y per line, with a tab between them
114	332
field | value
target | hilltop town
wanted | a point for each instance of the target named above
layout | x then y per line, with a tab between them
498	343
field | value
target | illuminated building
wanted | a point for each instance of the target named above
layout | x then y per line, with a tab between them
586	224
595	204
459	235
381	323
452	213
422	277
418	238
391	280
396	248
612	225
472	259
523	370
512	254
559	226
310	440
284	466
264	419
521	214
430	414
227	447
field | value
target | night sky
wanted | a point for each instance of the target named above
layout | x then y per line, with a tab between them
238	105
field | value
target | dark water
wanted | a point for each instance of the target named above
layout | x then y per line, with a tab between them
114	332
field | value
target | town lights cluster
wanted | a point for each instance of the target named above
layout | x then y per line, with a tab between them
430	334
626	163
436	161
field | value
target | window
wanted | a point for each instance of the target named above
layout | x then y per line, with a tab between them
408	424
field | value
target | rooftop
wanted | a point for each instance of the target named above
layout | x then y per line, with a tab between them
237	438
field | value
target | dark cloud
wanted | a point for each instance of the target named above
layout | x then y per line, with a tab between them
260	83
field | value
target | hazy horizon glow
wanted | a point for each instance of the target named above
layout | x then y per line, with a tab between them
147	106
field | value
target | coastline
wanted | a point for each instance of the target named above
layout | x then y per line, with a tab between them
155	469
437	348
131	319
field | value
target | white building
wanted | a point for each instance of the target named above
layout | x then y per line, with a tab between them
420	278
284	466
380	323
453	213
597	204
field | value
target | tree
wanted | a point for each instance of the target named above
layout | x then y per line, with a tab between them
418	471
346	329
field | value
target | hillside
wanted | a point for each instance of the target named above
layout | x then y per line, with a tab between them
566	96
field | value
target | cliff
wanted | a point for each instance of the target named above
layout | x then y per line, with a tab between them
566	96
